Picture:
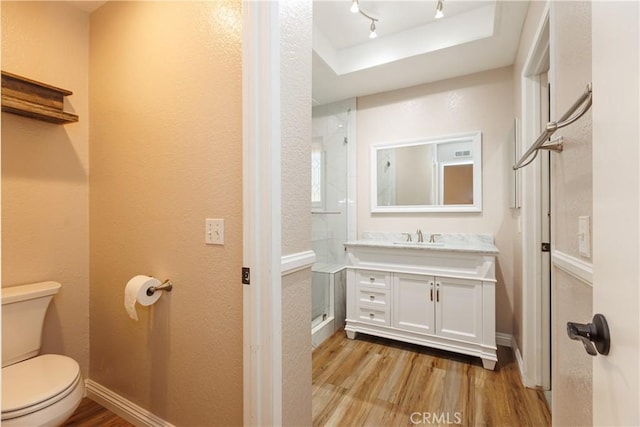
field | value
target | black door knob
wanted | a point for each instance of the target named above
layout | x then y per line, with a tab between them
594	335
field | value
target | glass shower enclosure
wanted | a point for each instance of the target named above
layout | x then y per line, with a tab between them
331	202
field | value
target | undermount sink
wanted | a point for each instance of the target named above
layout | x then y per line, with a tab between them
425	244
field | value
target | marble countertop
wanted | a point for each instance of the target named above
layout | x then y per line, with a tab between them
451	242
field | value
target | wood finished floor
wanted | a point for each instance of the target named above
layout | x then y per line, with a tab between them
376	382
91	414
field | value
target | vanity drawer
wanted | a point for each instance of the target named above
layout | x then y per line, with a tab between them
374	315
373	297
373	279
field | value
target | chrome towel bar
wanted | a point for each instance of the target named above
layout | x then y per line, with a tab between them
542	143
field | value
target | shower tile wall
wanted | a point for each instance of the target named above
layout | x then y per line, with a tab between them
329	230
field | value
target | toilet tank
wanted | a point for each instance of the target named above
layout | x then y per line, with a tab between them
23	310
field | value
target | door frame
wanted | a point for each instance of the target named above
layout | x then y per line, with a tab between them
261	222
536	335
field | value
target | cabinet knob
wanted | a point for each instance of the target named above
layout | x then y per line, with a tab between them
372	315
372	279
372	297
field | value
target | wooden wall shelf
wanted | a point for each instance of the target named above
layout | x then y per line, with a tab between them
33	99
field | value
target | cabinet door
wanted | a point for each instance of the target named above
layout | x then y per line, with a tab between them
413	305
459	309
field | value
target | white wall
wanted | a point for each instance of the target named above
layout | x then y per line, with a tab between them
479	102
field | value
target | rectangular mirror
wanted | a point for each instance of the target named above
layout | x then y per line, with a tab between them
442	174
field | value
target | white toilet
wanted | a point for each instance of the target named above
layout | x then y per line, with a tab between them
37	390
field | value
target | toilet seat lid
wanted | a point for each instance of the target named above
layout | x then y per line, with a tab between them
33	381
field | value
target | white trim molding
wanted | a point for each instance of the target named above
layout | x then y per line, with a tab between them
534	333
296	262
123	407
576	267
520	362
503	339
262	299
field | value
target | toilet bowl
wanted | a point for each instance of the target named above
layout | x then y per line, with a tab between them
37	390
42	391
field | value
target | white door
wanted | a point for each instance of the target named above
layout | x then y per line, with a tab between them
413	302
459	309
616	210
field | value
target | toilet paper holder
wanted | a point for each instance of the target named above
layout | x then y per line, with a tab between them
167	285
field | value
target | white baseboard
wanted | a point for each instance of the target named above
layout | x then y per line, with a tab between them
123	407
519	360
503	339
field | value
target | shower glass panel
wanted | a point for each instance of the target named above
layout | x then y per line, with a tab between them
329	208
329	182
320	298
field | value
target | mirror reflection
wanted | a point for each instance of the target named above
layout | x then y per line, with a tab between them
439	175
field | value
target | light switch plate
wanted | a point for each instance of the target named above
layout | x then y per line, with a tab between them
214	231
584	236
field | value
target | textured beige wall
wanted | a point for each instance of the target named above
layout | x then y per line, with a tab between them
295	78
45	191
295	69
478	102
571	365
166	153
571	196
296	349
531	24
571	71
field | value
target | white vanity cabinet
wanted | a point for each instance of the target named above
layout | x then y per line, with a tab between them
433	297
373	297
442	306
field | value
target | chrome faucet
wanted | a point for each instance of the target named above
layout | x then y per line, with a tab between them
432	239
408	236
420	236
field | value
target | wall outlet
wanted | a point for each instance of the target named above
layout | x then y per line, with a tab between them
584	236
214	231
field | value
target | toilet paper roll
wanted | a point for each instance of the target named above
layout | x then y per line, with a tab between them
136	291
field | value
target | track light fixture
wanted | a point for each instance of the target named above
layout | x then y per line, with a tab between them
372	34
355	8
439	13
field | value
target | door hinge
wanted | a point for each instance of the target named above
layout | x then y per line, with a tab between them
546	247
246	276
